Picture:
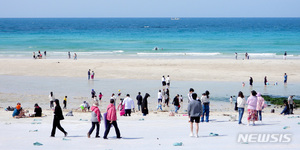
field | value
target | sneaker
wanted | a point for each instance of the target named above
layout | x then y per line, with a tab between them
105	138
66	134
88	135
191	134
119	137
197	136
97	136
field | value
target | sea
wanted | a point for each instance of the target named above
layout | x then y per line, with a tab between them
150	37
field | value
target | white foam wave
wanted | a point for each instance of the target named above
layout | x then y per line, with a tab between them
262	54
178	54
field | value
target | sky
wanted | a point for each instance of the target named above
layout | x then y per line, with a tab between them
148	8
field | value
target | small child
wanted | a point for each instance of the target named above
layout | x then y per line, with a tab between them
230	99
100	96
159	105
65	102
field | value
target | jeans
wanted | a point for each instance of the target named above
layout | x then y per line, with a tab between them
176	109
56	123
285	111
108	126
241	112
93	127
159	107
139	107
205	112
259	115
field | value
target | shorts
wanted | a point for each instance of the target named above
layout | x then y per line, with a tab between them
197	119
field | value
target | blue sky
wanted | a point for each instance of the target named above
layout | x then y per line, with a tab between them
148	8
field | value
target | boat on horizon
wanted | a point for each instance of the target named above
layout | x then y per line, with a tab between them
175	18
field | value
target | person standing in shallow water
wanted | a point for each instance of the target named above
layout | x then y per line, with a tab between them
58	115
285	78
251	81
89	74
265	81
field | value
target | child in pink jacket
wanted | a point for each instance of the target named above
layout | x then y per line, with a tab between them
111	119
260	105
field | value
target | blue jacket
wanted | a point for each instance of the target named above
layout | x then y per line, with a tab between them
16	112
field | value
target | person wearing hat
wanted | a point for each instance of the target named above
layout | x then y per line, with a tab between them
58	115
18	112
260	105
95	119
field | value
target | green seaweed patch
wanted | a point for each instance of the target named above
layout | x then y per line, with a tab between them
279	100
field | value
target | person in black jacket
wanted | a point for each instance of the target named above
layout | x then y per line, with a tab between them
58	115
139	99
176	103
37	110
145	105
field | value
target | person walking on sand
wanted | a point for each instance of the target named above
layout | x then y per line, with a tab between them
69	54
139	99
285	78
93	93
195	112
176	103
51	98
163	93
100	96
167	97
241	105
58	116
190	98
230	99
121	107
252	104
111	119
96	120
129	104
89	74
251	81
145	104
205	101
260	105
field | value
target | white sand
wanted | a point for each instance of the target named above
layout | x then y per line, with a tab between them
157	131
179	69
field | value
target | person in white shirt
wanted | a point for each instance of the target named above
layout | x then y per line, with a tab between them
168	80
51	98
113	97
159	96
241	105
291	104
190	98
230	99
129	104
163	81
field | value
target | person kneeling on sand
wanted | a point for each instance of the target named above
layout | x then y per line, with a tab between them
111	119
195	112
18	112
37	111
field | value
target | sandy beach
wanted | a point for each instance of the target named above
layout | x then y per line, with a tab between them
178	69
29	81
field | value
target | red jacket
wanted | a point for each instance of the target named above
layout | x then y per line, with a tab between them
111	113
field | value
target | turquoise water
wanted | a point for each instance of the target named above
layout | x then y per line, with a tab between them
93	37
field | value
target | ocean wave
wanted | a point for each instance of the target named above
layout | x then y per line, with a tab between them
262	54
179	54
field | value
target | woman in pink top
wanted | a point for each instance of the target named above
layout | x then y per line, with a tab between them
111	119
260	105
252	103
